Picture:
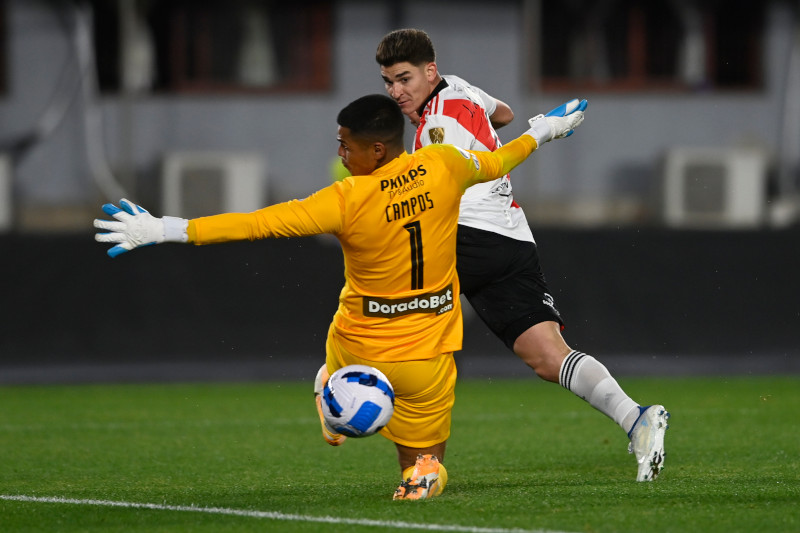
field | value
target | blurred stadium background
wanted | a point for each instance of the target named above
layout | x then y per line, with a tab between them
668	227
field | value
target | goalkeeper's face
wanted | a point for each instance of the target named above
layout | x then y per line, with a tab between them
409	85
358	156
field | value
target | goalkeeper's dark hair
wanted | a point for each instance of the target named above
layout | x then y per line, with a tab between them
411	45
374	117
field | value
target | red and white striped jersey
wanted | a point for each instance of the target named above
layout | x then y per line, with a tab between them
458	113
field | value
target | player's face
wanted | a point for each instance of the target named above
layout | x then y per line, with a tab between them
357	155
409	85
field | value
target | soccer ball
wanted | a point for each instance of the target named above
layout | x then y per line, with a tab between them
357	400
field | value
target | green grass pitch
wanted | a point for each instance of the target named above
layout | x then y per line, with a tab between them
523	455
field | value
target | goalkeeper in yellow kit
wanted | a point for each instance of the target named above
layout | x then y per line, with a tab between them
396	220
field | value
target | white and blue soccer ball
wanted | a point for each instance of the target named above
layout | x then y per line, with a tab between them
357	401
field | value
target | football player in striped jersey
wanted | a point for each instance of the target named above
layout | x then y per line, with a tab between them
498	263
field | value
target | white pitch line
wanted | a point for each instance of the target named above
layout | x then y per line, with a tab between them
272	515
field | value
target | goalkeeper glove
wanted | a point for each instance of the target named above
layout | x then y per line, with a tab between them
558	123
135	227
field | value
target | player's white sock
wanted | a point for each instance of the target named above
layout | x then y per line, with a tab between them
586	377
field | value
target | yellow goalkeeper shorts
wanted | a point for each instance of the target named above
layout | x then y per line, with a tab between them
424	394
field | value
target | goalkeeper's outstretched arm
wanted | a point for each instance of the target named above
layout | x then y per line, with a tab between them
133	226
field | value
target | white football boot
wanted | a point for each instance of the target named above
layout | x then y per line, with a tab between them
647	441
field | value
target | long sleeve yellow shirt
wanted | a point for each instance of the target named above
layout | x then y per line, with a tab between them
397	229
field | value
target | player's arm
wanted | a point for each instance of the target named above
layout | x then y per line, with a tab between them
499	112
557	124
487	166
502	116
134	227
322	212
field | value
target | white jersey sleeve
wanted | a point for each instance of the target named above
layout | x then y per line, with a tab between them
489	103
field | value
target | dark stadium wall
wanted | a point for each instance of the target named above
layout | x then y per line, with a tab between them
621	292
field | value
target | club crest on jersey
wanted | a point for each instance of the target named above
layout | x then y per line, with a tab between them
436	135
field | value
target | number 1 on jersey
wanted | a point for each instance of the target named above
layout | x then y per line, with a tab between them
417	263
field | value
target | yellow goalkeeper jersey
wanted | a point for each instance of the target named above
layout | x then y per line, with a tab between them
397	228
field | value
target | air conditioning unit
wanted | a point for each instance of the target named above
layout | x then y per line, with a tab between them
709	188
196	184
6	203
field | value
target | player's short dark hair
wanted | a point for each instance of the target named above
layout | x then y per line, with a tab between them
411	45
374	117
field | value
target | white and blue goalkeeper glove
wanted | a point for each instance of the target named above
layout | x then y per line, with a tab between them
558	123
135	227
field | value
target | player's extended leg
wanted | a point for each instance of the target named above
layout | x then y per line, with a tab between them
543	348
331	437
420	426
424	397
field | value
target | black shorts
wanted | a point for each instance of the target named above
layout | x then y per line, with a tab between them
503	282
